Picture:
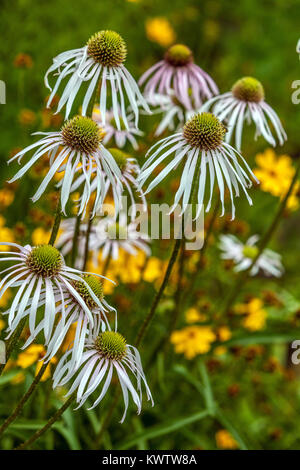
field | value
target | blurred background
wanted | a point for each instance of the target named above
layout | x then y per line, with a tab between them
257	386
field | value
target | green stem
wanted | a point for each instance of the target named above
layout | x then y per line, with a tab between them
75	240
47	426
56	224
159	294
24	399
262	244
87	240
107	263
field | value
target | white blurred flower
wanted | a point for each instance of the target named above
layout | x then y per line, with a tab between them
243	255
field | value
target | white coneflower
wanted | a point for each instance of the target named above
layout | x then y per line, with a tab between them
101	60
200	145
246	102
111	236
105	353
72	313
179	73
77	147
129	170
39	272
120	136
243	255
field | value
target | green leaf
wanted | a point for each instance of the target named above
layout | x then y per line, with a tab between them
163	429
224	421
208	394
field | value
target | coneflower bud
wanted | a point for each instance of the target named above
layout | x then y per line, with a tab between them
96	286
179	55
248	89
120	157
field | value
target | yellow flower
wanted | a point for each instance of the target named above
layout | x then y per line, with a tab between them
159	30
224	333
32	354
153	269
256	315
40	236
6	198
275	174
225	440
192	315
5	234
2	324
193	340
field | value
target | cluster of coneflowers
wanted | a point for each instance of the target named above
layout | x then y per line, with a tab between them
53	296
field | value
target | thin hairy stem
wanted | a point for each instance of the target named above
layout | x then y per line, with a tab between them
87	241
75	240
159	294
56	223
106	264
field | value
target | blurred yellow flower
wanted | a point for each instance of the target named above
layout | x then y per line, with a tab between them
275	174
32	354
225	440
6	198
255	314
2	324
192	315
193	340
5	234
153	269
27	117
160	30
224	333
40	236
